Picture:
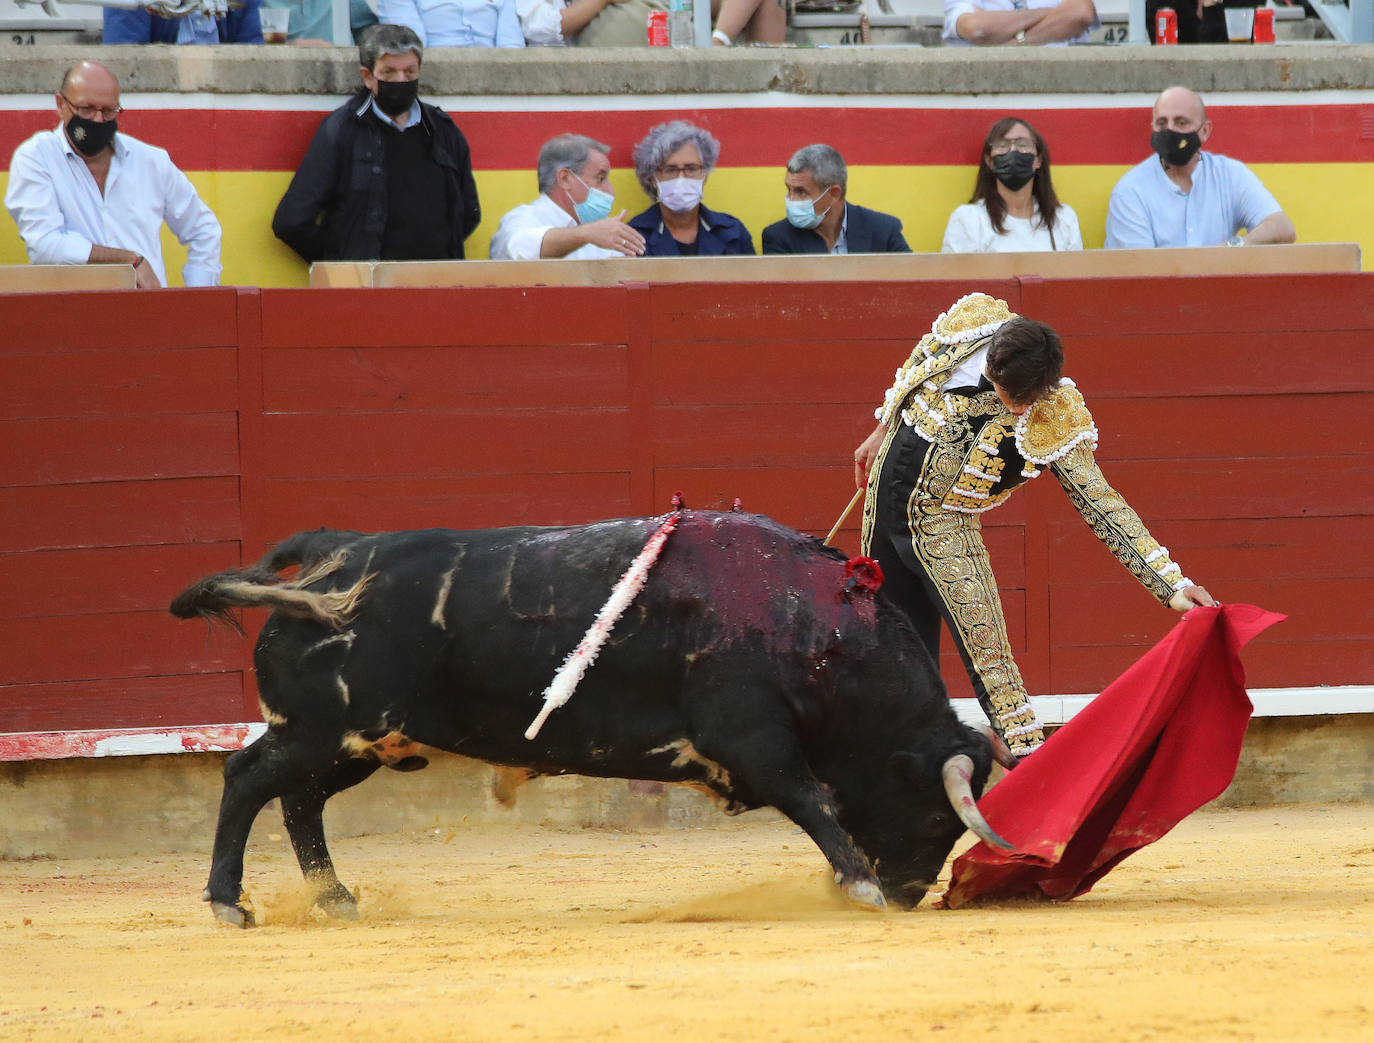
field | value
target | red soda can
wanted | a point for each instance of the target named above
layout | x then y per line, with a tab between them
658	28
1166	25
1264	25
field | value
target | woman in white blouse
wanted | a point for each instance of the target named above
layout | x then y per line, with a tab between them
1014	208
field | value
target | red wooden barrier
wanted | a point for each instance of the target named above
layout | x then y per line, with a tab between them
170	434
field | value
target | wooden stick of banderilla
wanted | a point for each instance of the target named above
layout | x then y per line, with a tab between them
858	495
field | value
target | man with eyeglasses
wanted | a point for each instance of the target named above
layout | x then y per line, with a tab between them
1183	196
986	23
86	194
571	217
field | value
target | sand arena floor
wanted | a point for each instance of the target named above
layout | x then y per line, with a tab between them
1254	924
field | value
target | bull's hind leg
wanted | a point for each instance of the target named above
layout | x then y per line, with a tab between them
303	811
270	767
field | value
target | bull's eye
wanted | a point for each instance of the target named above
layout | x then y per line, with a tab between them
938	822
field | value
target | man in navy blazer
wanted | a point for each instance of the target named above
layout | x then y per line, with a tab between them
819	218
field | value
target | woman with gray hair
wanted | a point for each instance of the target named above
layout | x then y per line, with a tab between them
672	163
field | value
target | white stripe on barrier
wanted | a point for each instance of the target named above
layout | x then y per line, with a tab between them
225	738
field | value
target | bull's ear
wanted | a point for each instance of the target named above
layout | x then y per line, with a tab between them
913	768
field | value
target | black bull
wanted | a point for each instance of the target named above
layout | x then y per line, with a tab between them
750	664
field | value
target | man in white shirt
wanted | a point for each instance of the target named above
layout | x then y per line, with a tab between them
86	194
986	23
572	216
1182	196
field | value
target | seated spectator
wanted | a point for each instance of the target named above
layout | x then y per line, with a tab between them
85	193
988	22
240	25
820	219
456	23
312	21
1182	196
553	23
761	21
1014	206
386	177
673	163
572	216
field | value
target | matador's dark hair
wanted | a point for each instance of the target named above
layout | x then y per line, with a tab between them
1025	359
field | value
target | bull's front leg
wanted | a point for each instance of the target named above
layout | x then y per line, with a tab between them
762	757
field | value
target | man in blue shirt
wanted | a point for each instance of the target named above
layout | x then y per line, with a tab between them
1182	196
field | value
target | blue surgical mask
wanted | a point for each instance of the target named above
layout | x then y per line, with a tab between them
801	213
596	206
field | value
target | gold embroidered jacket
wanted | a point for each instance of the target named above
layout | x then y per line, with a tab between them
985	452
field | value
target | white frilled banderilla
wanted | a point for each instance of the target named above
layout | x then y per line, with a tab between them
565	681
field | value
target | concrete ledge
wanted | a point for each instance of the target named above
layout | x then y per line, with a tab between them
89	807
572	72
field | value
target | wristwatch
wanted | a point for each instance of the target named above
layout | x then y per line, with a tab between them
1235	240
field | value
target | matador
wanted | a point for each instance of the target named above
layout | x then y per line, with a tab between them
978	409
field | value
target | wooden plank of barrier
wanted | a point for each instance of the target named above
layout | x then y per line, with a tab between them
67	278
1221	260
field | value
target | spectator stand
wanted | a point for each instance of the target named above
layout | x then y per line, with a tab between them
27	23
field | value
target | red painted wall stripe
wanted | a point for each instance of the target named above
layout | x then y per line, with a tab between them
245	139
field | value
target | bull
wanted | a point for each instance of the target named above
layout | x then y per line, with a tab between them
755	663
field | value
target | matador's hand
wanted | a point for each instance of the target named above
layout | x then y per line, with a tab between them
865	455
1192	597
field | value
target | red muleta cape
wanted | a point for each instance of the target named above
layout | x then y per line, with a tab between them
1162	740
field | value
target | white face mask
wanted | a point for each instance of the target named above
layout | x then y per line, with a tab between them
681	195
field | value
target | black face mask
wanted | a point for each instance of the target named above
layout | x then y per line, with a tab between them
91	137
1014	169
395	97
1175	147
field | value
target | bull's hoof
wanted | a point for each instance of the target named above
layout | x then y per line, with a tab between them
233	915
339	905
865	894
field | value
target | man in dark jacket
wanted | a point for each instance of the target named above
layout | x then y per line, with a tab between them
387	177
819	218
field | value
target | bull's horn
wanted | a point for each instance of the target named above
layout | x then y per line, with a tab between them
958	774
1000	752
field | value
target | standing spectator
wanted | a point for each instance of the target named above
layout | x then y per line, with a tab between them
86	194
240	25
312	21
572	216
387	176
456	23
673	163
820	219
988	22
1182	196
1014	206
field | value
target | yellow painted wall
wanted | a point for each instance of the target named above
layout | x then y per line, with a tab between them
1317	196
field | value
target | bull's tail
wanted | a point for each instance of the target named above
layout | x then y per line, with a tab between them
259	586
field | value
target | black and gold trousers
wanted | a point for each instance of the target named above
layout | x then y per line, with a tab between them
936	567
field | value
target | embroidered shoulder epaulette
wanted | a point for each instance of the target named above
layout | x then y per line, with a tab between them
968	320
1056	423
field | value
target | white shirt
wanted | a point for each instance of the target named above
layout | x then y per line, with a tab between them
970	231
520	234
1147	209
955	9
542	22
456	23
61	214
